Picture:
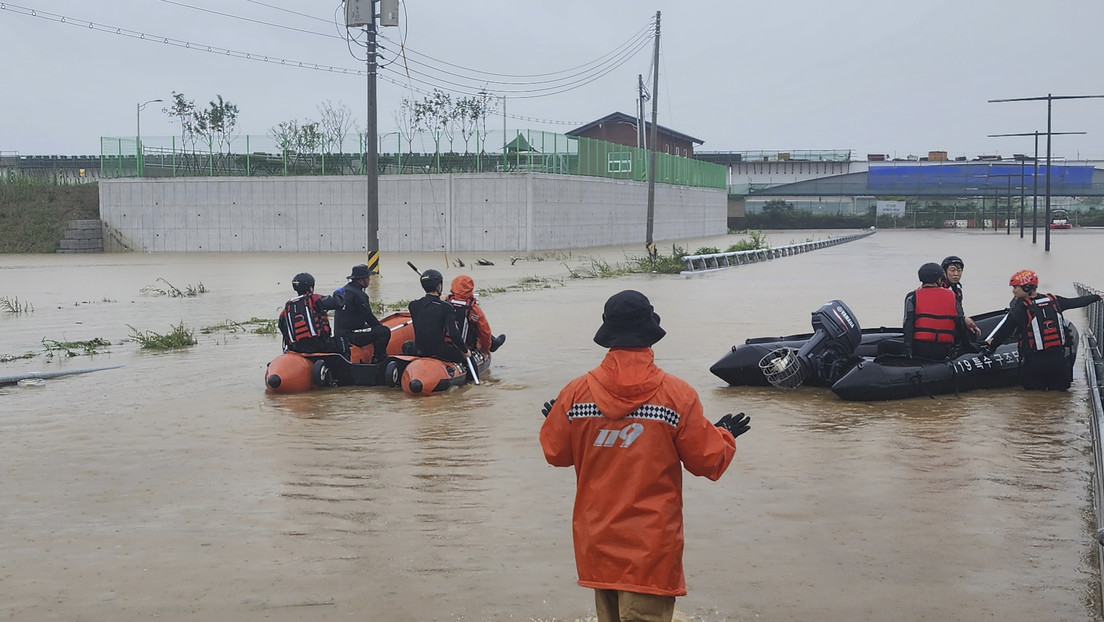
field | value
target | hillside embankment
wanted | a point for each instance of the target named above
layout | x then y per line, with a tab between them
34	217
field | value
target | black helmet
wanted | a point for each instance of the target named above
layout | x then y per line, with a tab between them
930	273
303	282
431	279
952	260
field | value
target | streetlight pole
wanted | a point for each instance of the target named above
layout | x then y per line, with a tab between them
1035	183
138	138
1049	100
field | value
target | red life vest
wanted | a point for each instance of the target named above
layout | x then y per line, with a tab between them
936	315
464	320
303	318
1045	325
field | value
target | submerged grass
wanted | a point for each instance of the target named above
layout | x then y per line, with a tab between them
173	291
7	358
74	348
12	304
179	337
255	325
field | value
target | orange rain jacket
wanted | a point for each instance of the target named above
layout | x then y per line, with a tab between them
628	428
462	295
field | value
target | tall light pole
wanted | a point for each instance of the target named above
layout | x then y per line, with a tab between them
1035	182
1049	100
138	138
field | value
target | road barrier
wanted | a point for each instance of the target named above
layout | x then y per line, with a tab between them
696	264
1094	367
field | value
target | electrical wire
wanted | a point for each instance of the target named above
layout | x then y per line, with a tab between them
249	19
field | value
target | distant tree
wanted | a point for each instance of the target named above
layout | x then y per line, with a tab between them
777	205
335	123
183	111
469	112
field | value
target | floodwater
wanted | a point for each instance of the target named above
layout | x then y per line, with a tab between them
176	488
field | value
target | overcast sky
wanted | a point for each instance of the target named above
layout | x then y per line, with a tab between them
877	76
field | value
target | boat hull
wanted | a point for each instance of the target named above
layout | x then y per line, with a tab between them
423	375
894	378
294	372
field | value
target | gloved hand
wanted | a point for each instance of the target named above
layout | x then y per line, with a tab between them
548	407
984	348
737	424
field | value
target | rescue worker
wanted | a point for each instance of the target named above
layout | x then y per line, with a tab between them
1042	341
475	330
303	323
628	428
934	323
952	276
354	320
434	321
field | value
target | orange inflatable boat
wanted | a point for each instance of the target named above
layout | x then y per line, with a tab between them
292	372
423	375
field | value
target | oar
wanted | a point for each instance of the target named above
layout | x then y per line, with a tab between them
471	368
413	267
51	374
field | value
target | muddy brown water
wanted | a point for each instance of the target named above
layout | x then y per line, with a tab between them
175	488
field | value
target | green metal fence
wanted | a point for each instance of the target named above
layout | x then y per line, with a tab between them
475	152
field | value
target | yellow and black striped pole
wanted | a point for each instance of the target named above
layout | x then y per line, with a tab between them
373	261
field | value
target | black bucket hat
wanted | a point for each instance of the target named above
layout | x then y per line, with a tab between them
629	321
361	271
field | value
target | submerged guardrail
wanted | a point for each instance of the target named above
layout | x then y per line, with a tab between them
718	261
1094	367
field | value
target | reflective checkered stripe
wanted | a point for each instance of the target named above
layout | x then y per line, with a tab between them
647	411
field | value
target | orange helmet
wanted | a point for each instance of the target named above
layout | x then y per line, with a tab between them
1024	278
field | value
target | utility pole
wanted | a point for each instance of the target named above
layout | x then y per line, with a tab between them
648	244
363	13
641	97
1049	100
1035	184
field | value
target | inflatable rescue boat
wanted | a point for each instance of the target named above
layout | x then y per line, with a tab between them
841	355
293	372
423	375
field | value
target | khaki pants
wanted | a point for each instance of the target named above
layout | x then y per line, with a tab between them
616	606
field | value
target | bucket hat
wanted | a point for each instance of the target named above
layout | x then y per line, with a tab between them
629	321
361	271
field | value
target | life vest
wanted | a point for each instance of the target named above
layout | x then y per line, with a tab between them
465	320
936	313
1045	325
304	319
954	287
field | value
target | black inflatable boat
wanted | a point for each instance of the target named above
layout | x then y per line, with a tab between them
841	355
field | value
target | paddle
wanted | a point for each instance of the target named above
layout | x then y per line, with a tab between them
413	267
471	368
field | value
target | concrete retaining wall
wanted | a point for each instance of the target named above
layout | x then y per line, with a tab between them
475	212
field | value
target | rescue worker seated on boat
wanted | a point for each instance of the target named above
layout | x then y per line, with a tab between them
934	326
953	266
1038	319
475	330
354	321
303	323
435	321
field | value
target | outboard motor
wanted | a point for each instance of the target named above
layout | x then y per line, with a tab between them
824	357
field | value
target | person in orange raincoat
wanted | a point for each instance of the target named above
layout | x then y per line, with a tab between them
471	318
628	428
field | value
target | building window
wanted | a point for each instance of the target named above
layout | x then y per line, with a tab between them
619	162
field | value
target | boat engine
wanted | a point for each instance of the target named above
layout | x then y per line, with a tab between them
824	357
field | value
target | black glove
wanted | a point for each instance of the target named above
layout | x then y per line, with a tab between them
984	348
737	424
548	407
